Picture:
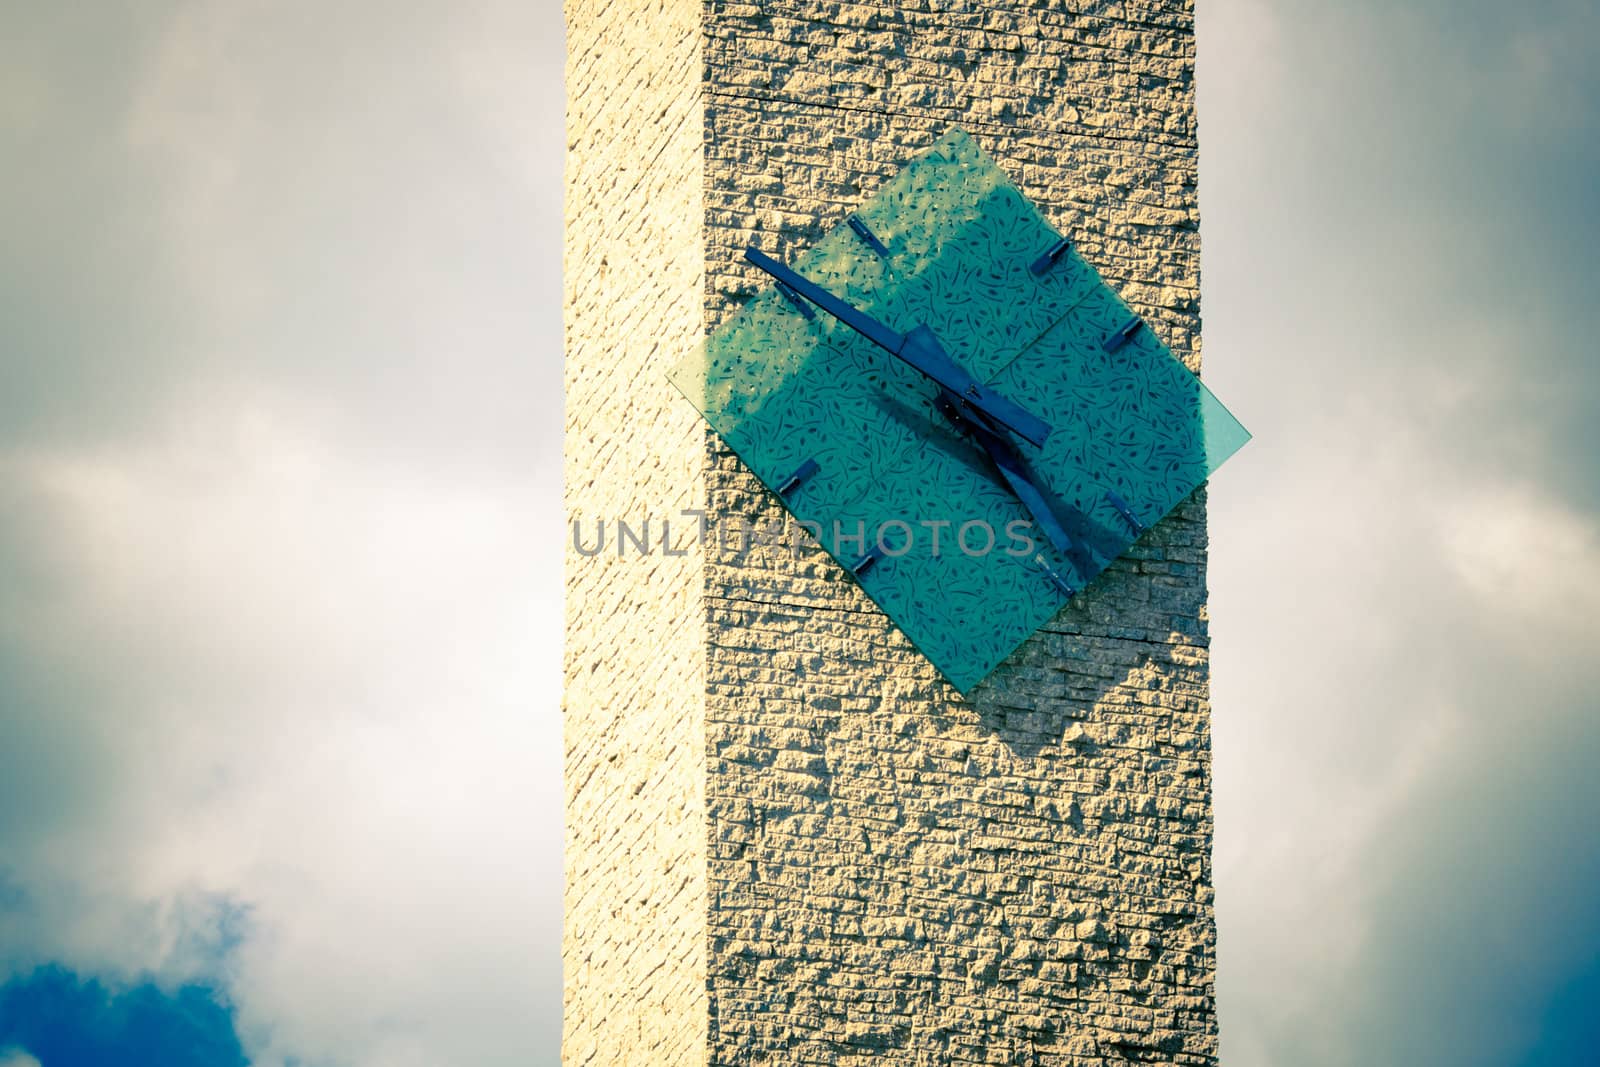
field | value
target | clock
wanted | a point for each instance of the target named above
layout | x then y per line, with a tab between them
968	419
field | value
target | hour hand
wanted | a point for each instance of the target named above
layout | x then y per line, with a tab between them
919	348
1006	461
1086	537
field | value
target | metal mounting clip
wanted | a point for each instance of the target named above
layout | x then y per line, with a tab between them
1056	580
800	303
804	471
1048	260
1125	511
862	565
868	238
1120	338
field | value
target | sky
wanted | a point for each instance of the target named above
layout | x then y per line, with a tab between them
281	530
1399	247
280	523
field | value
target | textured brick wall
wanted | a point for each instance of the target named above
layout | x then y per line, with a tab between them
634	951
893	874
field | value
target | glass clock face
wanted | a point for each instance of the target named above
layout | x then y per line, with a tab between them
972	423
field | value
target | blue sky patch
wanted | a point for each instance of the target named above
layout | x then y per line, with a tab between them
66	1021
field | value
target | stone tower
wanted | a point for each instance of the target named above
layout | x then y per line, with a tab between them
789	841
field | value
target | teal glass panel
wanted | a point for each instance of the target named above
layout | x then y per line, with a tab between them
960	564
781	390
970	588
960	239
1135	431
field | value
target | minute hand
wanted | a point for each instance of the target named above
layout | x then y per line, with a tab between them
919	348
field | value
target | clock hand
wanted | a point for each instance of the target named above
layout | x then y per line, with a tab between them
1009	464
1080	538
919	348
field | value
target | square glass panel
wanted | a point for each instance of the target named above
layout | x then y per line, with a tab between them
905	472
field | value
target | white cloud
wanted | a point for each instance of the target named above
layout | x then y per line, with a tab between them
1404	560
279	520
328	697
1524	554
